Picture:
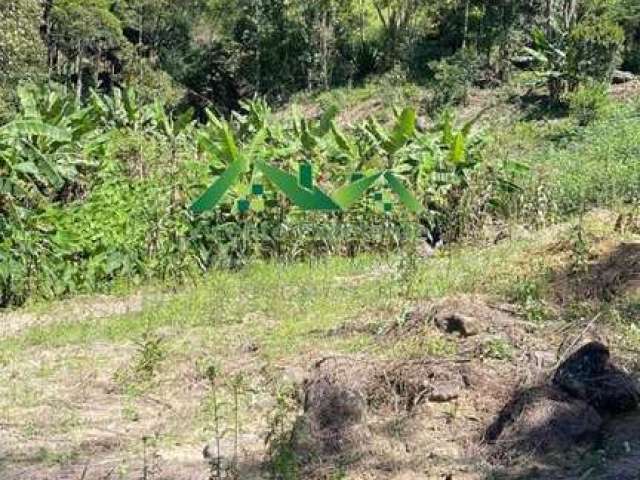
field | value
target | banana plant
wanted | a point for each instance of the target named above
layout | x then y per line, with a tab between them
45	148
121	110
230	162
244	168
173	128
388	144
549	53
447	156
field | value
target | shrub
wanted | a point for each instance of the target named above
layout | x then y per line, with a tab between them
594	50
588	103
453	77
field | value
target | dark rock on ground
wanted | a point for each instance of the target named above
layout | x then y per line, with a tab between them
620	76
589	375
445	391
464	325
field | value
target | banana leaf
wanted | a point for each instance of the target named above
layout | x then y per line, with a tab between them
36	128
402	131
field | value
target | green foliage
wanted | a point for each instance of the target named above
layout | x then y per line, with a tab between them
22	52
85	24
593	50
453	77
569	169
150	352
97	193
589	103
21	49
498	349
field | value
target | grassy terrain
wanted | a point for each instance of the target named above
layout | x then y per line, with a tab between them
75	389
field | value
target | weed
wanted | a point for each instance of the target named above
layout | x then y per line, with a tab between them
498	349
588	103
216	457
579	248
150	352
527	293
283	459
150	457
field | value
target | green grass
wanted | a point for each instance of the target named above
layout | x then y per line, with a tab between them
290	308
573	168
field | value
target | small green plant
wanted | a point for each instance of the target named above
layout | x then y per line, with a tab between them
215	405
439	347
224	413
498	349
408	267
588	103
283	459
150	352
527	293
579	248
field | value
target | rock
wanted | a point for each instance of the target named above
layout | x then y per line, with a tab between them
421	124
464	325
445	391
588	375
221	454
249	347
293	376
523	61
540	420
620	76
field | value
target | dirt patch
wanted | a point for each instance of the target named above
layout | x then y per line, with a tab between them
77	310
626	91
477	311
540	420
612	270
378	419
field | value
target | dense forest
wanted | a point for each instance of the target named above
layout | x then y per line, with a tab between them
214	54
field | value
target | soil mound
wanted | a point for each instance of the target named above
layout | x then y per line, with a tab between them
589	375
584	397
614	271
540	420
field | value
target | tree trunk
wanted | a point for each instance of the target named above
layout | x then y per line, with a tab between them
570	9
79	75
325	51
466	24
51	56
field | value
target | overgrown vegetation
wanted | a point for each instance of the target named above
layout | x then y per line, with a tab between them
485	176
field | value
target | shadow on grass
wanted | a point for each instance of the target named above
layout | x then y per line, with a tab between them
536	106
